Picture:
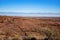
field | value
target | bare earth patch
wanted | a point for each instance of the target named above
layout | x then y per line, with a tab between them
29	28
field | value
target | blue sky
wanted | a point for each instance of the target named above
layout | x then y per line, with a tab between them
30	6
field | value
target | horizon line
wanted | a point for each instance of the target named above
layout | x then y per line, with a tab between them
29	12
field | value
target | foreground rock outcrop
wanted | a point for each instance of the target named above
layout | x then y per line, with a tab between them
29	27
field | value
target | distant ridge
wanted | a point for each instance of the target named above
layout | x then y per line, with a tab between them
30	14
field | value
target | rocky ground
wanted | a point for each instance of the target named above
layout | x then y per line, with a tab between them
29	28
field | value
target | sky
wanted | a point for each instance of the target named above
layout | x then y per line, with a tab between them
30	6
